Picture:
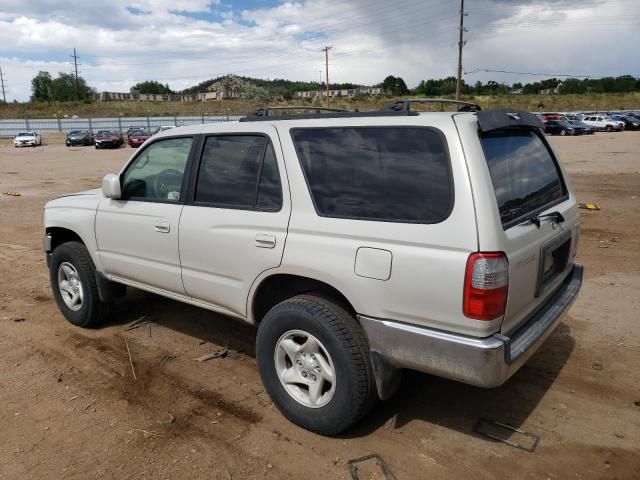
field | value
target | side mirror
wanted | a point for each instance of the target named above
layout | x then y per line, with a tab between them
111	186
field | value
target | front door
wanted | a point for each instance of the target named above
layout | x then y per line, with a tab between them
235	226
137	235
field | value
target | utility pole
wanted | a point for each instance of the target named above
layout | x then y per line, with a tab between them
75	63
4	96
326	60
461	43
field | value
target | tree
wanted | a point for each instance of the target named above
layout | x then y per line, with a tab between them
573	85
254	92
61	89
42	87
394	85
152	87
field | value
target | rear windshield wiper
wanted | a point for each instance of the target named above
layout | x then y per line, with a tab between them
537	219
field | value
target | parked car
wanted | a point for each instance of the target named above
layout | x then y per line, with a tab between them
551	116
162	129
292	223
137	138
602	122
27	139
556	127
572	116
586	129
108	139
630	122
80	137
133	129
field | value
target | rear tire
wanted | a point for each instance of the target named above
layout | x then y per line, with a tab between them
73	282
314	362
608	128
563	132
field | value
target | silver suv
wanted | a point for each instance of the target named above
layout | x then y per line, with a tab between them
359	243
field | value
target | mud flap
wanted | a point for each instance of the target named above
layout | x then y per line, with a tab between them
388	377
109	291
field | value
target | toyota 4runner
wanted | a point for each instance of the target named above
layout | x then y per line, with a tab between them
359	243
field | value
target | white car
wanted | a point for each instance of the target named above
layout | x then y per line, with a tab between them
603	122
358	243
27	139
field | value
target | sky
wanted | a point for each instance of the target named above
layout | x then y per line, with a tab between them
184	42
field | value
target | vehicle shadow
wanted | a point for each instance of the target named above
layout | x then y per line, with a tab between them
421	397
204	325
457	406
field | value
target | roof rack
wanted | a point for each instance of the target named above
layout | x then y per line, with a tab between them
405	105
262	112
395	108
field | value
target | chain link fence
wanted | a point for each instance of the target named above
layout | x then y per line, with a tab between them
11	128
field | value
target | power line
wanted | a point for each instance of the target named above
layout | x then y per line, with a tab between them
4	96
460	45
565	75
326	58
75	63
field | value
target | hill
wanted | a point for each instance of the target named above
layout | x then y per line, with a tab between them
253	87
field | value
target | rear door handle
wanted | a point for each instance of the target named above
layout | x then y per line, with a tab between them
162	226
265	240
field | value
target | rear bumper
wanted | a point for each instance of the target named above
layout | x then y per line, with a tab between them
485	362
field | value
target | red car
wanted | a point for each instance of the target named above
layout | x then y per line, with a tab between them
137	138
108	139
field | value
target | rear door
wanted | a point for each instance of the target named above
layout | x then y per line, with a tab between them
234	227
525	209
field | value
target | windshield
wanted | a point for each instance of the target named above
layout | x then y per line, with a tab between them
76	132
104	133
26	134
524	174
139	133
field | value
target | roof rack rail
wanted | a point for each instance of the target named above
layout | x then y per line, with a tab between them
263	112
405	105
396	108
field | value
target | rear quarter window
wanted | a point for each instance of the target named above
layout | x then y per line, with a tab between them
393	174
525	175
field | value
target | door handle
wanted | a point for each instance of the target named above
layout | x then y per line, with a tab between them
162	226
265	240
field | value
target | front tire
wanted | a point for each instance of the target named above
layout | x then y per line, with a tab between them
608	128
314	362
73	282
563	132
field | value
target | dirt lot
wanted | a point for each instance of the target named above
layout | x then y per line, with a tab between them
70	407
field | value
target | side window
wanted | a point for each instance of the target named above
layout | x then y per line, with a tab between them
239	171
394	174
157	173
269	190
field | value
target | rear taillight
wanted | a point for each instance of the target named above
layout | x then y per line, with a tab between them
485	286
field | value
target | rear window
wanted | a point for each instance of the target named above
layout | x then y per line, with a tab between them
525	176
395	174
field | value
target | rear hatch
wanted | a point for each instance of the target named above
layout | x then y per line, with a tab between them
535	213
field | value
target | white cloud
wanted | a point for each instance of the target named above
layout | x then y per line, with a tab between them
415	39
